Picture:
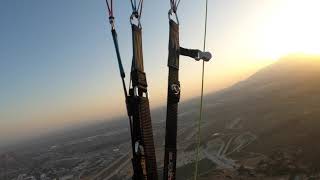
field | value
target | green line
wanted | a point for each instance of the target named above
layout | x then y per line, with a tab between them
201	101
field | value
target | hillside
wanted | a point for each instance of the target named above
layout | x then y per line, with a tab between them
268	123
280	104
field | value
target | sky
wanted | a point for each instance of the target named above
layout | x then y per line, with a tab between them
58	65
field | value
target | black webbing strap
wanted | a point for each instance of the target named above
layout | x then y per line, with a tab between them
147	138
193	53
137	48
169	171
138	76
145	156
173	57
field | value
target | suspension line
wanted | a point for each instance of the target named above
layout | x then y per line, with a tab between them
174	5
110	7
201	99
137	9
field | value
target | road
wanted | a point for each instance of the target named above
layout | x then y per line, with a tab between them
115	167
222	162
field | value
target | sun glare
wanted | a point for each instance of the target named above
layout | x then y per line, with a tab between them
294	28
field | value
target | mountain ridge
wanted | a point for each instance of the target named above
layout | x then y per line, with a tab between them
280	104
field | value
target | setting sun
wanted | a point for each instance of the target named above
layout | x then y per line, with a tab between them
292	28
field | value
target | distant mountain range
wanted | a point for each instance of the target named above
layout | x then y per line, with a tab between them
280	104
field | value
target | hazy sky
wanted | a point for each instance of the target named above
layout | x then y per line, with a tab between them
58	65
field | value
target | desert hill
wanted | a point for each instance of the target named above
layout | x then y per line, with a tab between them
280	104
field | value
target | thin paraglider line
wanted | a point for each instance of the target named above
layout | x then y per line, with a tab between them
201	99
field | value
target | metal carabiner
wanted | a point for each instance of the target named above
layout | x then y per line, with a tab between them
111	21
170	13
135	16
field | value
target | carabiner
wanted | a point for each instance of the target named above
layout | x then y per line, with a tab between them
135	17
170	14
